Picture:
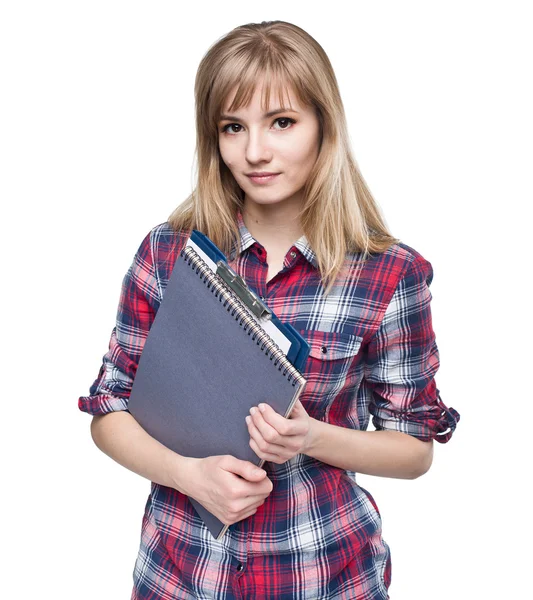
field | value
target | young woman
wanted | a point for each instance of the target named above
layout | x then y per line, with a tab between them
280	193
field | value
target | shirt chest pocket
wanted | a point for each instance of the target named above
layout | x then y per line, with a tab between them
330	369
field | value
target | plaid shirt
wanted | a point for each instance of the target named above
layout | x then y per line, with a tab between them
373	353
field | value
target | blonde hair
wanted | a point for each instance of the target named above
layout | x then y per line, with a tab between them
339	213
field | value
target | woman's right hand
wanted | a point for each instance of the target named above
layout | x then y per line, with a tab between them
229	488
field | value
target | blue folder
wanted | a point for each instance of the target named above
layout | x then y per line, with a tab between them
211	354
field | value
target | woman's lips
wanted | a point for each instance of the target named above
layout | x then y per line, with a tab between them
264	179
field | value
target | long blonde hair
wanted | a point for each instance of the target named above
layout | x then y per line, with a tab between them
339	213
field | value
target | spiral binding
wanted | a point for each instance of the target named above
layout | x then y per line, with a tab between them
238	310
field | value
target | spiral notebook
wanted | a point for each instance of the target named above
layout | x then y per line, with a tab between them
208	359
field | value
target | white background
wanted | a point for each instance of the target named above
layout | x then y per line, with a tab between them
96	147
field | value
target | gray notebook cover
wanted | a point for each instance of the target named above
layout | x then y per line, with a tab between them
200	373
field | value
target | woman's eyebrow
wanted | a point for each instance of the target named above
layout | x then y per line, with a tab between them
282	109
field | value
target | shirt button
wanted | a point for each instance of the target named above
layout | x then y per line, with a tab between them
324	349
240	567
293	254
262	298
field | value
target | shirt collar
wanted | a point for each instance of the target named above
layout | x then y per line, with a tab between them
247	240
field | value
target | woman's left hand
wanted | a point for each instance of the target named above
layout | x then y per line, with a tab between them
275	438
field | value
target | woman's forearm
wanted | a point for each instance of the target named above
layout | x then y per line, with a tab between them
382	453
231	489
119	436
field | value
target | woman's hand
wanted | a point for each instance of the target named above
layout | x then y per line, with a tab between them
229	488
275	438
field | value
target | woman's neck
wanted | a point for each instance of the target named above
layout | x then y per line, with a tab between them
272	225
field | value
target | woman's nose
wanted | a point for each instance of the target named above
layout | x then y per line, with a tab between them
257	147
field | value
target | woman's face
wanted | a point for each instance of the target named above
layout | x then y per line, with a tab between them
285	143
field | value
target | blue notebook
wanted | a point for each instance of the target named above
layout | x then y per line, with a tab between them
214	350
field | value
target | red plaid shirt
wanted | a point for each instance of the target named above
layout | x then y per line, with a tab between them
373	353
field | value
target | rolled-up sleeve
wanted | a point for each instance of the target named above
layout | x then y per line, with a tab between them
138	303
402	359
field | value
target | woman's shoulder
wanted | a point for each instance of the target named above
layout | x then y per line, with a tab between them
383	272
399	259
164	234
163	237
161	246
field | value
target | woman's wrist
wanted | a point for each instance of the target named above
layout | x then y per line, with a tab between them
179	470
313	437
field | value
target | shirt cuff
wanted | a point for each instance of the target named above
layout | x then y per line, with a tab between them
101	404
437	423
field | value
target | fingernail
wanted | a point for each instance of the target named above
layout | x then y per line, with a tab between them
252	410
248	419
262	407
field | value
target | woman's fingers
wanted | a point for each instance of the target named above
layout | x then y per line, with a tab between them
263	448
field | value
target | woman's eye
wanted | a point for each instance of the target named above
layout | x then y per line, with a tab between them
225	128
284	123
